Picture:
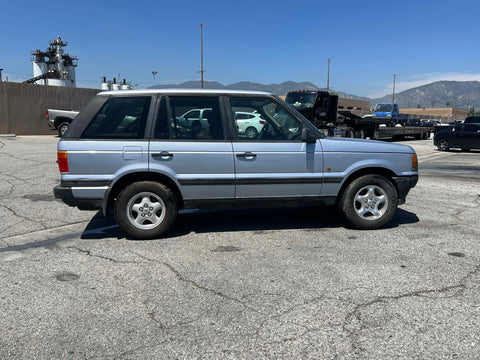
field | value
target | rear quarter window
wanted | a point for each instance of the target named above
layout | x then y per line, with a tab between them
120	118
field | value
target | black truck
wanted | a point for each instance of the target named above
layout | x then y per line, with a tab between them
320	107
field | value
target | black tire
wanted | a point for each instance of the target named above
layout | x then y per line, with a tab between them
146	222
251	132
465	149
442	145
62	128
360	134
369	202
349	133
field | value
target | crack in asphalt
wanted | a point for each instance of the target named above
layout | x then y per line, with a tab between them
116	261
182	278
355	313
21	217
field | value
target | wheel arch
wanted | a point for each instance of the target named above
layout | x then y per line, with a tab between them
387	173
59	120
131	178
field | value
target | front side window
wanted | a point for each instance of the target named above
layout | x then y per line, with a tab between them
383	108
120	118
195	118
263	119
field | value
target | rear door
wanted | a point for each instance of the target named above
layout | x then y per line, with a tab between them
195	154
276	163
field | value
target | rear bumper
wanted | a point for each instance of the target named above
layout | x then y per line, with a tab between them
83	197
404	184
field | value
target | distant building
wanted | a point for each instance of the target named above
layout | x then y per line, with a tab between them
357	107
445	115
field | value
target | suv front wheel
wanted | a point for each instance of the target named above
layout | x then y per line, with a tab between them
146	210
369	202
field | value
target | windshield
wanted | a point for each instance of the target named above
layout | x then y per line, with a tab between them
383	108
300	99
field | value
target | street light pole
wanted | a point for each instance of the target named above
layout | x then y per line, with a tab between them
201	51
328	76
393	94
154	73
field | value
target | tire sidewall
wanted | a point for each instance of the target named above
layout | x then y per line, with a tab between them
62	125
171	209
443	145
346	203
251	130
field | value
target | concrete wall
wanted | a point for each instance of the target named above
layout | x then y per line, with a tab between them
23	106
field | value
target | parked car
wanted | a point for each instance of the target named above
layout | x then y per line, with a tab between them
248	124
147	170
463	136
188	117
60	120
430	123
413	122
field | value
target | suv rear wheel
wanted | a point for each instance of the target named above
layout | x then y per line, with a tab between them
369	202
146	210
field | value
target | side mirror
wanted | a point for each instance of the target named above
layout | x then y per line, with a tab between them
308	136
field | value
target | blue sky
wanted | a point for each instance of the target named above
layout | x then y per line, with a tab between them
258	41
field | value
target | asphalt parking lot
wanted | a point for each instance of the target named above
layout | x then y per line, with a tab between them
240	284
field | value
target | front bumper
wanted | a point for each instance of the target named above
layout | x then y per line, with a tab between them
404	184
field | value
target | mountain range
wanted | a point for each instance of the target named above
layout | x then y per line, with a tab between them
459	94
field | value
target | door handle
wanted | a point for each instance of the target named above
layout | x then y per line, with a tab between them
163	155
247	155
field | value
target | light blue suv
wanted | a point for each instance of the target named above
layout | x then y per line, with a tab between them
128	152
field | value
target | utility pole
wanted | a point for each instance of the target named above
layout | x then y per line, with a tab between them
393	94
201	50
328	76
154	73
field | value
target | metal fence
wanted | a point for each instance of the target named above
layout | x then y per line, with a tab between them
23	106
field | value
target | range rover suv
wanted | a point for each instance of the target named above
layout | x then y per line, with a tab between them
127	152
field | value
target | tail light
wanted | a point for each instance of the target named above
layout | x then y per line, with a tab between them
62	161
261	122
414	163
46	115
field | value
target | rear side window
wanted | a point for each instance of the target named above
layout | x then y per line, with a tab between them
191	118
120	118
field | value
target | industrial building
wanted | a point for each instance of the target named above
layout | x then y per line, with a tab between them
53	66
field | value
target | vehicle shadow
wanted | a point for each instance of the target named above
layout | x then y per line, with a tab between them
232	220
460	151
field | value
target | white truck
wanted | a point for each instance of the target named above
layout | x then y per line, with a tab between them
60	119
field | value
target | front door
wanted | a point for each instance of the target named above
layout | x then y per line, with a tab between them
275	163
